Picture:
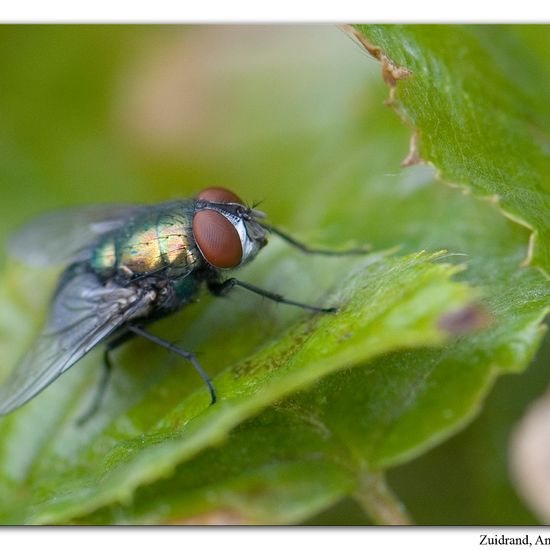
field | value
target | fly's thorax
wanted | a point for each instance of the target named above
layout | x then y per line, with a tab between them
156	242
140	251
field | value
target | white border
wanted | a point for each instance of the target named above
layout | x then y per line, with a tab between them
281	11
245	538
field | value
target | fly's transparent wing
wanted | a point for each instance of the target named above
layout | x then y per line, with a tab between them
83	314
62	236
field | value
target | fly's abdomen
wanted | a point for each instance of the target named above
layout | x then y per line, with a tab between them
161	242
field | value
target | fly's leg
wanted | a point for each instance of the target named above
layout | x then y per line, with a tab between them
179	351
221	289
308	250
104	380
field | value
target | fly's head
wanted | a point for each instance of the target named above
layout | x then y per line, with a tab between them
228	233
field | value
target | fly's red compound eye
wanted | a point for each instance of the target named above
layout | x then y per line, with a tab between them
218	194
217	238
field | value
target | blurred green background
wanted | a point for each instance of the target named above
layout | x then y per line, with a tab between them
145	113
94	114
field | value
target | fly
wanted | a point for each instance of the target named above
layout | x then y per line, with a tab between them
128	266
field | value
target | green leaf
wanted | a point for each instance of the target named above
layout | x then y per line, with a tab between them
475	96
312	408
385	304
335	439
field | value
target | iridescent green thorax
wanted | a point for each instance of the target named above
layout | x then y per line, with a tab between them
154	241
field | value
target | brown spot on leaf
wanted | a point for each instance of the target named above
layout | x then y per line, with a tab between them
391	72
464	320
413	156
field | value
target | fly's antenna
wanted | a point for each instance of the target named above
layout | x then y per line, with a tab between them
255	204
258	214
